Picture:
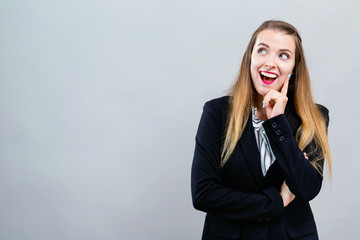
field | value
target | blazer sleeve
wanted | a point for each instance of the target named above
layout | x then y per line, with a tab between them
209	194
303	180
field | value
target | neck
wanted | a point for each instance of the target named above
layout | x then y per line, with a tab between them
261	112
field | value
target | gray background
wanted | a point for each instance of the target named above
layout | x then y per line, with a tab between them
100	102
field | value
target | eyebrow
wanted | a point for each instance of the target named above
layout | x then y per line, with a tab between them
281	50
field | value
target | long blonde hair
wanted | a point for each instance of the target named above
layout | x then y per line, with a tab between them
243	96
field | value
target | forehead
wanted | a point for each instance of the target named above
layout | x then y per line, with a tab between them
276	39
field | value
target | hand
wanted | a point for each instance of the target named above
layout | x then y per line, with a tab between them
286	194
275	102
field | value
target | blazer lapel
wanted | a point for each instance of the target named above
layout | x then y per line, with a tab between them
251	152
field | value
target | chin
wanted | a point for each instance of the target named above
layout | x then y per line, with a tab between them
263	90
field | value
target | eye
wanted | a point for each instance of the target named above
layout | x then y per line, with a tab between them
261	51
284	56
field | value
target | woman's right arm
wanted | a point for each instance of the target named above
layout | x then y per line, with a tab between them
208	192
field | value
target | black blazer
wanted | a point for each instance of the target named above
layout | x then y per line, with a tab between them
239	201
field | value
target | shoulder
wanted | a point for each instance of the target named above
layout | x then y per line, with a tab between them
325	113
214	116
220	104
217	110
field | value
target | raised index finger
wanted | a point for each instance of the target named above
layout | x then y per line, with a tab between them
284	89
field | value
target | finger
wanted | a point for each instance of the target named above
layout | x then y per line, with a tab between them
271	97
285	87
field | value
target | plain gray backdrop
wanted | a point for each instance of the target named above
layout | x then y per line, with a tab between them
100	102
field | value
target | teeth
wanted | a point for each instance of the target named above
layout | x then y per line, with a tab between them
270	75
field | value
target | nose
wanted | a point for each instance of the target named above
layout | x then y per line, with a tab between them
270	63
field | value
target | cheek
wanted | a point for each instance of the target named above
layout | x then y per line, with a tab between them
254	63
287	67
281	82
254	68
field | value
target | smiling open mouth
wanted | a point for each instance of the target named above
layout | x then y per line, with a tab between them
268	77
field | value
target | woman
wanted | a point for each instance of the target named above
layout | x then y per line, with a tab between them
260	151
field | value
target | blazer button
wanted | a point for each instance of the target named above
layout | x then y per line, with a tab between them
278	132
282	138
274	124
260	219
267	219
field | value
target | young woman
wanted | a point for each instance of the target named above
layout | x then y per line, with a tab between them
260	151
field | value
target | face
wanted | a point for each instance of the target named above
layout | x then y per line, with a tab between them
272	60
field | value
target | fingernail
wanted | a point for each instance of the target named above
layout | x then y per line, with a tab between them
289	75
